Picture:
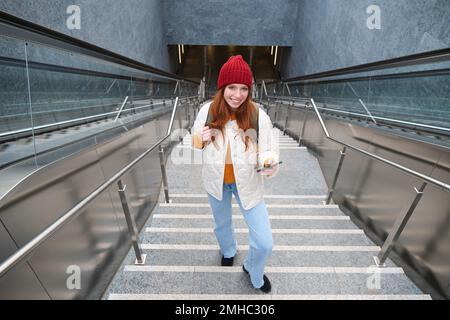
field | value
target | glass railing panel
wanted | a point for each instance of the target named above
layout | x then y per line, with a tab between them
73	97
419	99
68	101
188	89
15	112
54	103
415	95
274	89
301	90
348	96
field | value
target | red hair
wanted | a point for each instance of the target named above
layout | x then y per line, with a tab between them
221	112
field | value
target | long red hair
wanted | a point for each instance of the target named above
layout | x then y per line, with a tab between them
221	113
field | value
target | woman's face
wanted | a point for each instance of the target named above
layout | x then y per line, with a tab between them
235	94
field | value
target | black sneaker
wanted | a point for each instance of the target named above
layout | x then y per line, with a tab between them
266	287
227	262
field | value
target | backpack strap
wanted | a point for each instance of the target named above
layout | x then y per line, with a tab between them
209	117
255	122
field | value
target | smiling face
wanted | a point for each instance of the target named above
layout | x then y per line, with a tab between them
235	94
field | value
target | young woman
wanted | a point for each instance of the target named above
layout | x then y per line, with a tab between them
232	153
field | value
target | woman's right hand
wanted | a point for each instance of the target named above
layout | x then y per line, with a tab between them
206	134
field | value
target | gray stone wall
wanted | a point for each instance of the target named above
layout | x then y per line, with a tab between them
231	22
323	34
133	28
333	34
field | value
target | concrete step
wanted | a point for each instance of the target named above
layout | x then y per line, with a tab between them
285	281
278	258
269	199
143	296
304	222
273	208
304	239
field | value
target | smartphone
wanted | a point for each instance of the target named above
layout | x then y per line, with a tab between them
265	168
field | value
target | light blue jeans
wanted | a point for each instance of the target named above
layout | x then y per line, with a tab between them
260	233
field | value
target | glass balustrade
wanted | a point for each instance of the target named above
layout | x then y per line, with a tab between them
54	101
416	95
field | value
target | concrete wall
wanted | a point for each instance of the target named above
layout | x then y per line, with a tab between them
333	34
231	22
133	28
323	34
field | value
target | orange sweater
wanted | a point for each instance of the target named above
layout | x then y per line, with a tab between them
228	176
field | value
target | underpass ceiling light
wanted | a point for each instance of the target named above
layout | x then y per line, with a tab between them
275	58
179	54
182	48
271	50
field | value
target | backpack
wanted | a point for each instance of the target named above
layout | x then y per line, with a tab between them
254	121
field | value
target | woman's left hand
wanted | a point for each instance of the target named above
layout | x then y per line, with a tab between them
268	171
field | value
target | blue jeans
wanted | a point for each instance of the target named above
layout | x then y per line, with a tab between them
260	233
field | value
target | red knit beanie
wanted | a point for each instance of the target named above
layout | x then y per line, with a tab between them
235	70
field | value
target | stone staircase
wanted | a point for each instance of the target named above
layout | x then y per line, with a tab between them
319	253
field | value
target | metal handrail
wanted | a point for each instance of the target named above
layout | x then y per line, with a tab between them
443	186
24	251
407	211
415	124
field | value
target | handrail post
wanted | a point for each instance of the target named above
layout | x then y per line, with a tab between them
286	121
302	132
276	112
189	123
132	229
180	124
288	90
121	108
265	88
336	175
361	102
367	110
261	93
399	225
163	172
